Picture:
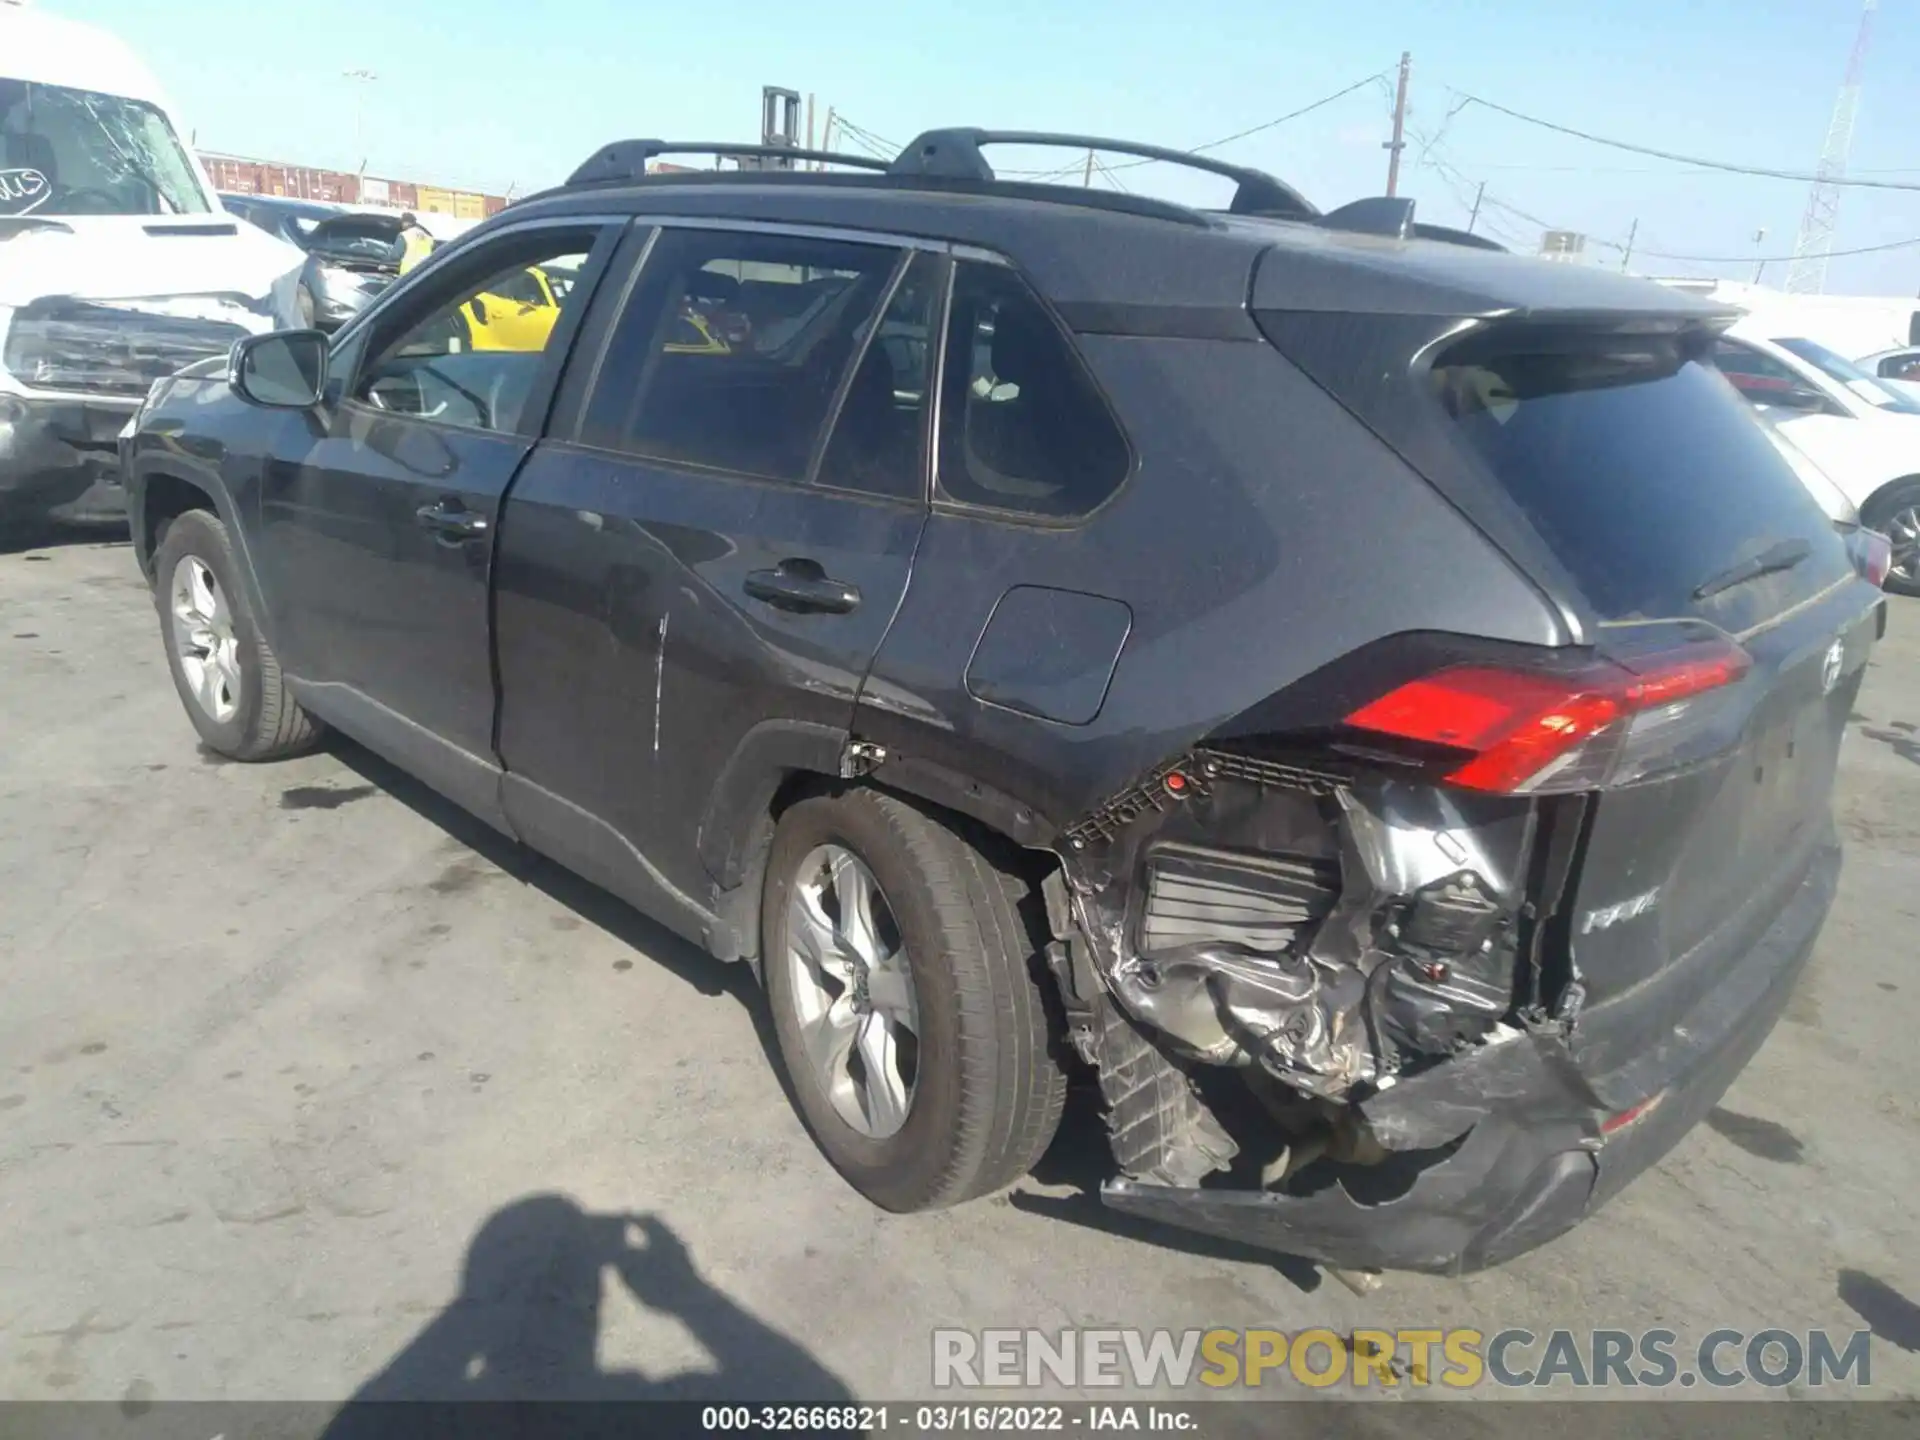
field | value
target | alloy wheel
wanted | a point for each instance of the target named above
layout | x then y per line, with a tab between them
853	994
203	639
1903	533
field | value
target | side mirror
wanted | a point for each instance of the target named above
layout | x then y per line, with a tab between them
286	369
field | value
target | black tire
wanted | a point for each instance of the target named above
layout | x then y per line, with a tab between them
1879	515
988	1090
266	724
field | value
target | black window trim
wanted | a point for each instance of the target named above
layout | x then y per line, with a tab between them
924	489
371	327
943	504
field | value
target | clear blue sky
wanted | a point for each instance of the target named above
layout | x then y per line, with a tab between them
492	93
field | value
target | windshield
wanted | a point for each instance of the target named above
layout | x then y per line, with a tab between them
78	152
1862	383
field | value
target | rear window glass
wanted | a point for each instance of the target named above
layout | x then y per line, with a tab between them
1639	467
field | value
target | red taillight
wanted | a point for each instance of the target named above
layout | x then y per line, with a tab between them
1872	555
1526	728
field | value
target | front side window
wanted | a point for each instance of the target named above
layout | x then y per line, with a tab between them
731	348
1021	426
471	358
79	152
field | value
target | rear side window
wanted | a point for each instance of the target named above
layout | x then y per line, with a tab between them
878	440
1021	426
731	349
1634	462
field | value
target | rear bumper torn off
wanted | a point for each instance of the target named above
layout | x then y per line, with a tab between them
1504	1142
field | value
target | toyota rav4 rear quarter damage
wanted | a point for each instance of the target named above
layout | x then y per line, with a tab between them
1415	960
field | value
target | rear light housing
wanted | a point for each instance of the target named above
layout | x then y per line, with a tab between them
1872	554
1514	730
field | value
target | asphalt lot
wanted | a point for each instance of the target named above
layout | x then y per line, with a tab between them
309	1083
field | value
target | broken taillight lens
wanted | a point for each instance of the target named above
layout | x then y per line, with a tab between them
1521	731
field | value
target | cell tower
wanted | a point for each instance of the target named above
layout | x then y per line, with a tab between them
1808	274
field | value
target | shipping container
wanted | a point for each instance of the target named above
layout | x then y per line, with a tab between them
237	175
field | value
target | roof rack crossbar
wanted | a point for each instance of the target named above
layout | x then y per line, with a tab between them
954	154
628	159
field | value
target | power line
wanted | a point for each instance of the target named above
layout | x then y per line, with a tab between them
1324	100
1763	259
869	138
1804	177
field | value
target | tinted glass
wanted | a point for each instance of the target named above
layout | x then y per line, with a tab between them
1761	378
1637	466
1021	426
877	443
470	357
731	348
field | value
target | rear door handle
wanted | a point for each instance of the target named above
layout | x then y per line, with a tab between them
451	520
802	586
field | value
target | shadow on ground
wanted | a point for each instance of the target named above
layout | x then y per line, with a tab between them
1080	1157
632	928
1889	1314
30	539
526	1326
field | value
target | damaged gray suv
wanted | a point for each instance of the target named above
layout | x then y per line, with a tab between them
1369	700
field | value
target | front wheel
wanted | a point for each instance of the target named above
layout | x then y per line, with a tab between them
909	1016
1896	515
223	669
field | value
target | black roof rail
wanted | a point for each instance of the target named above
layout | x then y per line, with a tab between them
955	155
627	159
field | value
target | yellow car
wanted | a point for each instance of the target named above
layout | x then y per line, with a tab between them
519	314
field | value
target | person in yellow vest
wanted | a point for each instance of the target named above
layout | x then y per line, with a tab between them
417	242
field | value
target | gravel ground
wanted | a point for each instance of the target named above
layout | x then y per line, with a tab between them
308	1083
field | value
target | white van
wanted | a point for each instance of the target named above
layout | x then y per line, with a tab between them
117	264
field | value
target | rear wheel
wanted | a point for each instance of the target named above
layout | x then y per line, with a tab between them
909	1017
223	669
1897	516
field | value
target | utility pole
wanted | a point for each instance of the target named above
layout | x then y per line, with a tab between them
361	79
1760	264
1478	196
1626	255
1394	146
809	120
1086	175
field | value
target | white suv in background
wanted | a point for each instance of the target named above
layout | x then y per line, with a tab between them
1859	430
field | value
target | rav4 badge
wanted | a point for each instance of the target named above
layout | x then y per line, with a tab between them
1607	916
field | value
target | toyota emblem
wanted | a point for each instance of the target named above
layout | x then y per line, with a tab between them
1830	667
